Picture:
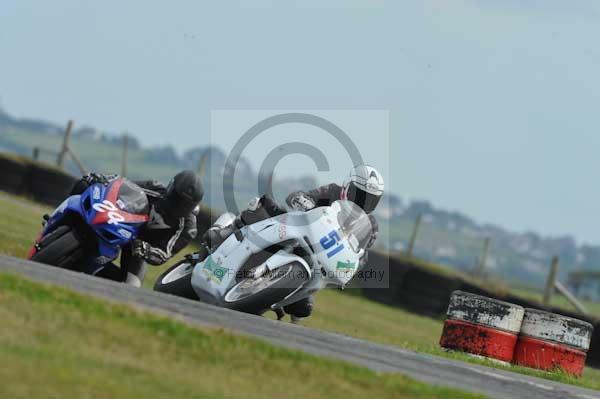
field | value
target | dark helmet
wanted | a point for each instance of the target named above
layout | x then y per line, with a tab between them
184	193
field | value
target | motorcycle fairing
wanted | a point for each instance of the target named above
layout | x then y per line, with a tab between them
101	208
258	236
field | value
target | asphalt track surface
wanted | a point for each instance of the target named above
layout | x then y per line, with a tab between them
439	371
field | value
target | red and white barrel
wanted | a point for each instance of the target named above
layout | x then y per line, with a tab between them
549	341
482	326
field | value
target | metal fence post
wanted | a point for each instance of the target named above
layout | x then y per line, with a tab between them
202	164
60	162
413	237
125	156
571	298
551	282
482	262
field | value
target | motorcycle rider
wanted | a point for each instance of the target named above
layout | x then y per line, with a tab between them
171	226
364	186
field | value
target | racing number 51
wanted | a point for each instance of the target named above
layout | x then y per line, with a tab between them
329	241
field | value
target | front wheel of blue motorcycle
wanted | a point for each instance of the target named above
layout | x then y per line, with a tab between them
61	248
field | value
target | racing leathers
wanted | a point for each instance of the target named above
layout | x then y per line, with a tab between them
162	237
305	201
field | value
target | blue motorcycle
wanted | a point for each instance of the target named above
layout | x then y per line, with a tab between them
86	232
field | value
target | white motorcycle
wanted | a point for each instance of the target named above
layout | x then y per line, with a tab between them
275	262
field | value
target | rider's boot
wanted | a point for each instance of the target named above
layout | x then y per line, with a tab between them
133	269
301	309
280	313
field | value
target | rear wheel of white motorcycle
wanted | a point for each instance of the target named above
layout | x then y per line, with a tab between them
62	248
177	280
256	295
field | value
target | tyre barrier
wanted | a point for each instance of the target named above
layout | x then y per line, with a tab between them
482	326
415	294
549	341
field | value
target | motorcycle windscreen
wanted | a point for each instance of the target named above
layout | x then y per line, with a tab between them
132	199
354	224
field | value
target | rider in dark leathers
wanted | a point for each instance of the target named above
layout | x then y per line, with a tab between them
171	226
304	201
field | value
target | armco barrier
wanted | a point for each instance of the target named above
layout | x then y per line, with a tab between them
48	186
13	172
43	183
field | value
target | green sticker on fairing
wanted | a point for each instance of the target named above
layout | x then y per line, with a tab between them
346	265
214	271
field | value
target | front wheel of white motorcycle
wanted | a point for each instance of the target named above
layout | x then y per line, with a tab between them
256	295
177	280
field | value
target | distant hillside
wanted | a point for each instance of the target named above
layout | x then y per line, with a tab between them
455	239
446	237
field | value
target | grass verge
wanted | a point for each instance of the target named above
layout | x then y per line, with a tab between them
58	344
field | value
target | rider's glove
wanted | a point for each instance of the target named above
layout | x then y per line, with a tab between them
140	249
143	250
195	257
254	204
302	202
374	231
363	261
93	178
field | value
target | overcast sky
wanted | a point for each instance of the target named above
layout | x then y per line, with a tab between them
493	105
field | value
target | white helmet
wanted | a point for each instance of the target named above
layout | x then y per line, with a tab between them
364	187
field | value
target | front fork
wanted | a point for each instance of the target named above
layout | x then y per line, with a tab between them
36	245
196	257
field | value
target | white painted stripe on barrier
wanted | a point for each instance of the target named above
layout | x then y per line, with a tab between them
556	328
485	311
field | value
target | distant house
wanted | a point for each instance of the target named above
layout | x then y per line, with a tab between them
87	132
585	284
